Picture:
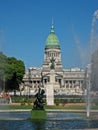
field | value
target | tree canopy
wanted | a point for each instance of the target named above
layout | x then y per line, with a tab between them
11	72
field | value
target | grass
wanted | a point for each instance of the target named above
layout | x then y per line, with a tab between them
67	107
11	107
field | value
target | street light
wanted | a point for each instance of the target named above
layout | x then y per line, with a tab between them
4	83
29	76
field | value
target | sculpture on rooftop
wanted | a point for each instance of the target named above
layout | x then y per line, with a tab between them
52	66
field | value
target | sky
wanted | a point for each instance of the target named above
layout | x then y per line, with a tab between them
25	26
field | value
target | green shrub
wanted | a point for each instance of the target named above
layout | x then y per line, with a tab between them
95	102
22	103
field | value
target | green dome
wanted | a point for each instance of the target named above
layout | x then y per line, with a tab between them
52	40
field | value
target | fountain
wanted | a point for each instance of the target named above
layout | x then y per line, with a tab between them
88	85
93	67
38	111
88	57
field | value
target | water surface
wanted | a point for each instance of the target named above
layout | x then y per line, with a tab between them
55	121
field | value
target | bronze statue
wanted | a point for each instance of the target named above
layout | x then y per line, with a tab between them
38	104
52	66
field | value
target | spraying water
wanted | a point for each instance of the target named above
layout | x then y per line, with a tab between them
86	55
88	86
93	67
94	33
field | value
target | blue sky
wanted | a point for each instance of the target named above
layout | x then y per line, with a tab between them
25	25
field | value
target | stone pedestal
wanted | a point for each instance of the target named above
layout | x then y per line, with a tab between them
50	89
50	94
38	115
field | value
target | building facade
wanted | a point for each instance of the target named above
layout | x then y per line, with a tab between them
67	81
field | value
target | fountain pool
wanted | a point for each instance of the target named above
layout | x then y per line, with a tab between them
54	121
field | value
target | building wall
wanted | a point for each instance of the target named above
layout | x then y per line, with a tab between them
69	82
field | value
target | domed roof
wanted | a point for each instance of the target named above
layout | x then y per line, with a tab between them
52	40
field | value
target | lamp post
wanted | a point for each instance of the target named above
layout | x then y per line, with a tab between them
4	83
29	81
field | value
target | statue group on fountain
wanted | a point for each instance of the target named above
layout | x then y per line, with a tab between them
38	103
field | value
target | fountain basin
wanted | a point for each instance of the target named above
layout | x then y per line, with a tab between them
54	121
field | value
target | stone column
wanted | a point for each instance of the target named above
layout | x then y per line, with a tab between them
50	89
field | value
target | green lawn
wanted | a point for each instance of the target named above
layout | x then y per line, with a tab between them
71	107
66	108
11	107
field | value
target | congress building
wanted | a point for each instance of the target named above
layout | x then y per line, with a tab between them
67	81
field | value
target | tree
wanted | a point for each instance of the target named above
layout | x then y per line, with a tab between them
3	64
12	70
